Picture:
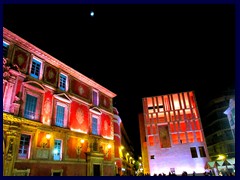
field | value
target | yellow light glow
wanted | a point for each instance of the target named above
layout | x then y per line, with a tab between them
109	146
48	136
82	141
221	157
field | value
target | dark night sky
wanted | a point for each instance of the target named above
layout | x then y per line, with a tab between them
136	51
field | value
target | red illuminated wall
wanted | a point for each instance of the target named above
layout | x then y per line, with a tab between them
47	108
42	139
106	126
79	117
72	144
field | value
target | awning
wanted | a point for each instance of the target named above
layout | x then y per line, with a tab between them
211	164
231	161
219	163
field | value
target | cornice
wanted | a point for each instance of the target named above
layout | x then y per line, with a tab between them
55	62
11	119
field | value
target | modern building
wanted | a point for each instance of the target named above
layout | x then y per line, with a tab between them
219	129
56	121
171	135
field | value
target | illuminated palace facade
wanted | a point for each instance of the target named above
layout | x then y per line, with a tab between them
56	121
171	134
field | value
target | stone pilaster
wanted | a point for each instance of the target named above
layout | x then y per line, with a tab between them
12	141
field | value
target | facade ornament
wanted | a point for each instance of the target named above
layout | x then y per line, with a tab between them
7	67
10	150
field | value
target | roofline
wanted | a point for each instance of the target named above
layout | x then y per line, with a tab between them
51	60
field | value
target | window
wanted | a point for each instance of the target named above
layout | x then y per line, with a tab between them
60	116
61	109
193	152
94	125
152	157
30	107
32	100
5	49
57	150
95	98
151	140
63	82
35	69
23	151
201	151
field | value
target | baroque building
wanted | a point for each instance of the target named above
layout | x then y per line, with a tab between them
56	121
171	135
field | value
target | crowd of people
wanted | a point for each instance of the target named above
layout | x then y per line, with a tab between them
184	173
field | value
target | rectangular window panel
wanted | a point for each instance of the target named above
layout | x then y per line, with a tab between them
183	126
183	139
60	116
154	129
148	130
175	139
182	101
193	152
24	145
94	126
151	140
30	107
35	70
5	49
192	99
202	151
63	80
199	136
190	137
192	125
95	98
197	124
166	103
172	116
176	101
186	100
172	127
57	150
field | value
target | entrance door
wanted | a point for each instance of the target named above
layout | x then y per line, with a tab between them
96	170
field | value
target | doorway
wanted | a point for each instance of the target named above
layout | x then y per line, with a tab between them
96	170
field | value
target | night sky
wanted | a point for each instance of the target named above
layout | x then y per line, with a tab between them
136	51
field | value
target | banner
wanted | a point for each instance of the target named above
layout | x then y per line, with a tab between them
164	136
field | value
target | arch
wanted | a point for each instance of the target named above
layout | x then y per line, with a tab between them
35	84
